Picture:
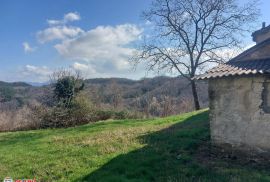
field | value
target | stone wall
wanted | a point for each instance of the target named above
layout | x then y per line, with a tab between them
238	114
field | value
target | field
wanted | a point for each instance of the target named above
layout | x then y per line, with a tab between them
163	149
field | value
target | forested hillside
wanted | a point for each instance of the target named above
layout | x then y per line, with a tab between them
149	97
155	96
145	95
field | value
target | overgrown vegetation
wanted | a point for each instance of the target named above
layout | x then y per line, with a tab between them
66	86
68	107
72	105
114	98
165	149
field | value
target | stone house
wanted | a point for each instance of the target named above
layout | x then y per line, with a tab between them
239	93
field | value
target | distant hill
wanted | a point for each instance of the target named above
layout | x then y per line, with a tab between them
38	84
14	84
16	94
150	95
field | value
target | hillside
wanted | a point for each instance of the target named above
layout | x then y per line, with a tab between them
167	149
150	94
147	95
16	94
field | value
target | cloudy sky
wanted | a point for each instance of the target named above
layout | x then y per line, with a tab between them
96	37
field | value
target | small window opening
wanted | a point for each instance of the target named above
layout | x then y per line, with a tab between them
266	97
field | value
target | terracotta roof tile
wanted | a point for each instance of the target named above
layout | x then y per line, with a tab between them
232	68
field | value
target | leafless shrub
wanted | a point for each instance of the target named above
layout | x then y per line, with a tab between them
20	119
185	105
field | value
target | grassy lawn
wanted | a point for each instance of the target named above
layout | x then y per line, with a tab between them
128	150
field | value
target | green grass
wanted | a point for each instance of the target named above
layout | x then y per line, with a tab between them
165	149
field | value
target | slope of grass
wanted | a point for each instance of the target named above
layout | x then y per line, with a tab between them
127	150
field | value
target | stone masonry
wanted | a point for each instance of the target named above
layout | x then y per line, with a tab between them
239	112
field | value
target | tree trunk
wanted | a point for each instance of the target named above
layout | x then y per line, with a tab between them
195	95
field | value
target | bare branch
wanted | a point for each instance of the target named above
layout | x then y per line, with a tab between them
190	34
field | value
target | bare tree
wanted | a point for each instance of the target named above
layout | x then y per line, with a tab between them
145	103
97	95
116	95
190	34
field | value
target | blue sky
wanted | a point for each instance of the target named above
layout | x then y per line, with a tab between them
37	37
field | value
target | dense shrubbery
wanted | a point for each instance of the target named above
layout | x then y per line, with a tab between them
23	118
72	105
80	112
57	117
108	98
68	102
37	116
71	108
110	114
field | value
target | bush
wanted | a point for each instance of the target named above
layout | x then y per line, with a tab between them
121	115
19	119
80	112
67	85
104	115
36	116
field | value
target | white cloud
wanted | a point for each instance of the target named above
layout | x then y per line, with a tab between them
36	73
103	51
27	48
69	17
73	16
58	30
58	33
54	22
80	67
105	48
86	69
148	23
